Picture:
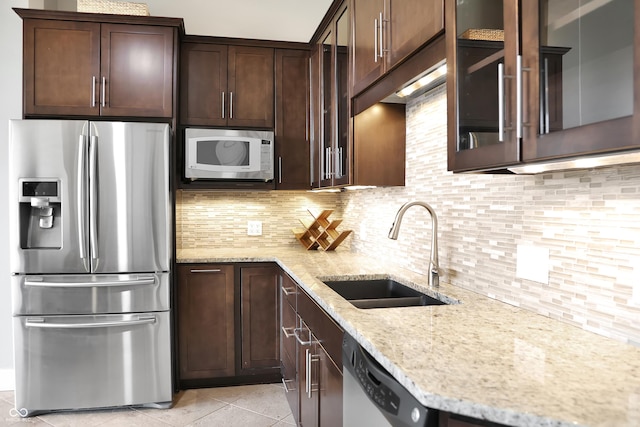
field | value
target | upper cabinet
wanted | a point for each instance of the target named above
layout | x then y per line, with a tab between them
330	98
79	64
227	85
385	32
292	120
540	81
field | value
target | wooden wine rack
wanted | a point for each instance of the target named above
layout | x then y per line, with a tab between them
321	232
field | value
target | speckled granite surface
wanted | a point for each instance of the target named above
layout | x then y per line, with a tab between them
480	358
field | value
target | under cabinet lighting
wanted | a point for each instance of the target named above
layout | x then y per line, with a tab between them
590	162
325	190
431	78
359	187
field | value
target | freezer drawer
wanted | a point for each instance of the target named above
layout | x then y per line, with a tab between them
77	362
89	294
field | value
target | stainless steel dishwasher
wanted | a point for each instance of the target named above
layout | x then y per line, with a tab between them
373	398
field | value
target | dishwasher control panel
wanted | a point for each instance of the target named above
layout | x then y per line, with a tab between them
384	397
396	404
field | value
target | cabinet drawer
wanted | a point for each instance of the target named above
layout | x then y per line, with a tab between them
287	338
322	326
289	290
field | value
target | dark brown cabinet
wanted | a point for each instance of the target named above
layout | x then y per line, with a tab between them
292	119
536	81
206	325
288	347
77	68
379	143
388	31
330	108
260	330
311	358
226	85
228	324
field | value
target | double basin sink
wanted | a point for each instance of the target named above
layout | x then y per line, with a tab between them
380	293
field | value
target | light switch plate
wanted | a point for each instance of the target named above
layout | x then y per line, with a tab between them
254	228
533	263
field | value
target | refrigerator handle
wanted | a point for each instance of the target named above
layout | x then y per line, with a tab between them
43	283
82	201
93	199
39	322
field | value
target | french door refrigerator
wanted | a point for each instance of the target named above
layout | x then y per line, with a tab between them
91	252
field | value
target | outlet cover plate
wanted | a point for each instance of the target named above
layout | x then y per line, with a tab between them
533	263
254	228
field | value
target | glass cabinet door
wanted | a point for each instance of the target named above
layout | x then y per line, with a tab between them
581	94
482	48
342	101
326	109
586	62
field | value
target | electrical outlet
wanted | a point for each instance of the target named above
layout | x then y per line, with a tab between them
254	228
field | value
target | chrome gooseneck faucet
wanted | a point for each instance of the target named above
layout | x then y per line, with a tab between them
434	280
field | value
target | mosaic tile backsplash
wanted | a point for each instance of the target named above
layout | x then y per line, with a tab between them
588	221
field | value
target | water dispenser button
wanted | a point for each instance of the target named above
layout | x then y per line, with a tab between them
39	202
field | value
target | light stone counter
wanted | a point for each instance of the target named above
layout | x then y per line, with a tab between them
481	358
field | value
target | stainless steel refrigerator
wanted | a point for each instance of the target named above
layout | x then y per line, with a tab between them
90	208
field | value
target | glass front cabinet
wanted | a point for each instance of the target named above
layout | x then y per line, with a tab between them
540	80
330	104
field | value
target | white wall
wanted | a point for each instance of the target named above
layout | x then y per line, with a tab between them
10	108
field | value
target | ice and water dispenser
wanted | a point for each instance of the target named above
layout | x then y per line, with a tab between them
40	210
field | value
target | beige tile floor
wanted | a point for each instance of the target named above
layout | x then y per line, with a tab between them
246	406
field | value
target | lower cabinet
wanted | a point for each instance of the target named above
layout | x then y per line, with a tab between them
206	325
313	375
260	330
228	324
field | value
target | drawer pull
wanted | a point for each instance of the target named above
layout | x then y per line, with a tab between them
288	291
287	389
295	333
288	334
213	270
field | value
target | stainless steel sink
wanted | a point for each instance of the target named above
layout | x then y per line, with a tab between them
380	293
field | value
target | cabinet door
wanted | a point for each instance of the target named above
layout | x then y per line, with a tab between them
307	376
61	67
288	343
250	84
259	290
329	388
411	24
581	93
379	145
137	70
206	321
368	59
482	44
292	119
317	147
203	84
342	145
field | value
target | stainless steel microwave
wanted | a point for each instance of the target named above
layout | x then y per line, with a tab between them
228	154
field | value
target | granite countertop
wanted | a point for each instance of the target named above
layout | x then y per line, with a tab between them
481	358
